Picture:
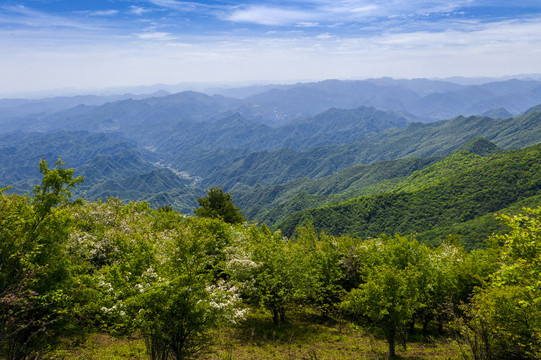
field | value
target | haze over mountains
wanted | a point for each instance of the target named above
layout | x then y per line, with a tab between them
275	104
278	148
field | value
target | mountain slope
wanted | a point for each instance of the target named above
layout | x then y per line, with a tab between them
273	203
159	187
455	190
20	152
334	126
419	140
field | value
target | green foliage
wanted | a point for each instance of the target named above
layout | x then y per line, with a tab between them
219	205
270	271
35	270
505	318
386	298
480	146
392	280
68	269
460	188
178	311
324	255
174	319
54	188
154	272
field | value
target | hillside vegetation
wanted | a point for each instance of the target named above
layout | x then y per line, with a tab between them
275	135
330	220
419	140
455	190
186	287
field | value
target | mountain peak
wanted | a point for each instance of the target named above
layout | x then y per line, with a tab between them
480	146
498	113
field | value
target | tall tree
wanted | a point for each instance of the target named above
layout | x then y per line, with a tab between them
219	205
34	265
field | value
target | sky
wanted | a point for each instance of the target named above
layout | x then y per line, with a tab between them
56	44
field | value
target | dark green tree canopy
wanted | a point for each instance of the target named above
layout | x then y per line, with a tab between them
219	205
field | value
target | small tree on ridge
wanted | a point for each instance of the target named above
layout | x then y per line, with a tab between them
219	205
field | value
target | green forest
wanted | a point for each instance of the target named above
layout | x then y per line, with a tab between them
106	279
456	195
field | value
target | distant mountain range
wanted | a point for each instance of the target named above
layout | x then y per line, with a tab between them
428	100
283	150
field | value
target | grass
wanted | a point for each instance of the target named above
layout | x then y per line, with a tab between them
305	336
102	346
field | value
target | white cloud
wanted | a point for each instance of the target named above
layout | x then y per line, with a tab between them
137	10
315	12
155	36
104	12
307	24
325	36
265	15
22	15
177	5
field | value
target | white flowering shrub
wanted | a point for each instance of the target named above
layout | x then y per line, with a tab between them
270	271
184	297
155	272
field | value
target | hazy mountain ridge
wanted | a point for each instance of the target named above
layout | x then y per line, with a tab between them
334	126
428	100
18	107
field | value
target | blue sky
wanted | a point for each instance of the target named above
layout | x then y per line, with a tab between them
47	44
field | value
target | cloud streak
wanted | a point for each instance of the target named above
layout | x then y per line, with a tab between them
22	15
265	15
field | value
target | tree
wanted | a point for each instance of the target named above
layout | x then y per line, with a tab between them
323	272
389	298
54	189
390	275
219	205
184	302
155	273
504	320
35	268
271	271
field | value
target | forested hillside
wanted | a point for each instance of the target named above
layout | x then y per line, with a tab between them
434	201
337	219
421	140
73	273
